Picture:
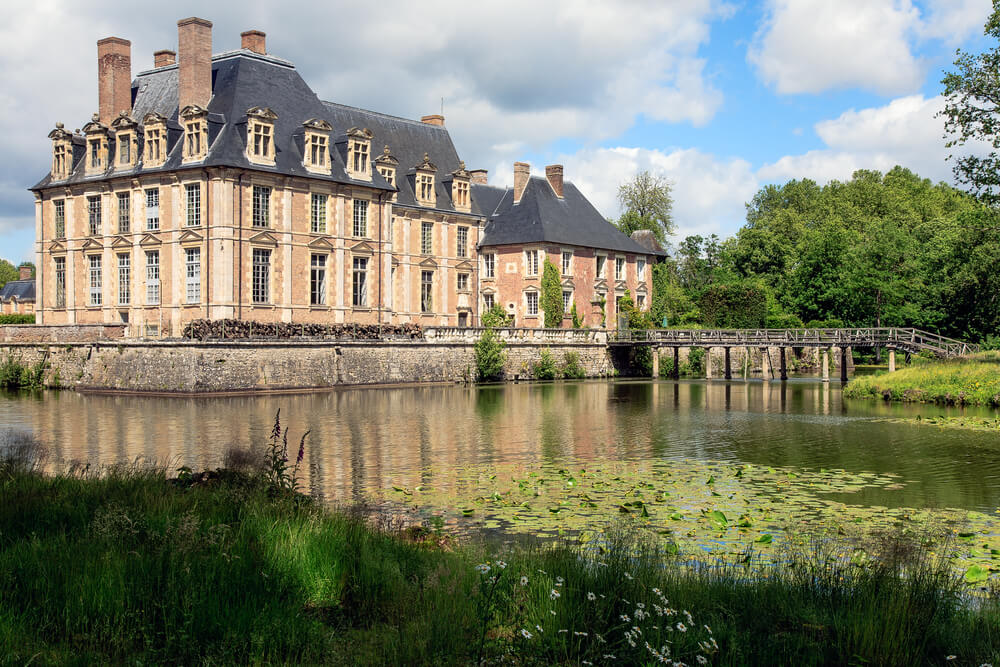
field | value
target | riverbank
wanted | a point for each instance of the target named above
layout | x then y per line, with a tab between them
227	568
971	380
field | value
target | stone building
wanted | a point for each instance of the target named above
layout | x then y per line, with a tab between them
17	297
221	185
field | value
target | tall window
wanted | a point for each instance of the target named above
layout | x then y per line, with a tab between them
59	207
389	174
463	282
360	217
619	268
96	161
59	161
124	148
488	301
427	238
94	215
192	273
567	300
463	241
95	279
124	280
261	292
152	277
193	192
193	132
426	291
640	301
602	262
360	282
317	280
124	213
154	140
461	194
261	206
490	265
152	209
532	302
425	187
360	157
317	214
640	269
60	270
262	140
531	262
317	150
567	263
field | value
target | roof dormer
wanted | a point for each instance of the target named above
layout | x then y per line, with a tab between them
260	135
126	132
62	152
194	119
359	148
96	134
387	166
460	189
154	128
423	187
316	146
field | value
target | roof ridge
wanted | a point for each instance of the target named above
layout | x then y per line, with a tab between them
383	114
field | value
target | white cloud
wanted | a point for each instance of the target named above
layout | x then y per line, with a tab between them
809	46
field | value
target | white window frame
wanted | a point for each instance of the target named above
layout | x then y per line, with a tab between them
531	304
462	277
124	212
426	238
95	280
490	265
359	220
192	275
95	215
359	282
260	206
317	279
427	292
152	277
59	269
567	262
192	204
318	213
531	262
567	296
152	209
640	268
462	241
261	276
59	218
621	268
601	265
124	279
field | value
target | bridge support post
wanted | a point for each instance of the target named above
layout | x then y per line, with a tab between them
784	365
892	361
826	365
708	363
729	365
766	373
656	362
843	364
676	374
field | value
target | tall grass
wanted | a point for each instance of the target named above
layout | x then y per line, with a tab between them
128	565
972	380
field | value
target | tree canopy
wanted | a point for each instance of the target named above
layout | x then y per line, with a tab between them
8	272
647	203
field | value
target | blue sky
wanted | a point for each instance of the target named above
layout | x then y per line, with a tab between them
719	97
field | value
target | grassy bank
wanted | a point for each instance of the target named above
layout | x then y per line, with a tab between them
972	380
226	568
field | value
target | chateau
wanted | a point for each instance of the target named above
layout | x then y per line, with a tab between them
221	186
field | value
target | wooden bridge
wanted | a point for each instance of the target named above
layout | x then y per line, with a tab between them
907	340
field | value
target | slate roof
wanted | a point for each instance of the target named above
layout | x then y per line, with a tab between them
541	216
23	290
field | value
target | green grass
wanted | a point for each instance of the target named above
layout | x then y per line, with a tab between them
130	566
972	380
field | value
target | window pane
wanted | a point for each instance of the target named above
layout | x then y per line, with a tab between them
152	209
261	292
318	214
153	277
192	264
360	217
193	191
360	282
124	213
124	279
95	280
60	271
317	280
261	206
426	291
427	238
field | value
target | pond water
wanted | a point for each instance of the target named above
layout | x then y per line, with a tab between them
568	454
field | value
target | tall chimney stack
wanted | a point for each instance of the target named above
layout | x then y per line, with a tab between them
478	176
554	175
253	40
522	172
114	77
25	272
194	46
164	57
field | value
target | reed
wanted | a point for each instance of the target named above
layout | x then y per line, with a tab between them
972	380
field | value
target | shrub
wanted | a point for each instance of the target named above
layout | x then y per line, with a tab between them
578	321
17	319
696	361
572	370
545	368
666	366
496	317
490	355
552	303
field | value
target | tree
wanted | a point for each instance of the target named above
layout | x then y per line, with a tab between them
647	204
552	304
972	112
7	272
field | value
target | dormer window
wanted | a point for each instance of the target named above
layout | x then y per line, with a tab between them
460	188
195	121
358	150
386	165
97	145
425	182
155	129
62	152
125	141
316	156
260	135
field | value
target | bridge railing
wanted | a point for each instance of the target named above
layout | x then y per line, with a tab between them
519	334
909	339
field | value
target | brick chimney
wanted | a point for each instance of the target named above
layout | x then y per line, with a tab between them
433	119
194	47
26	272
164	57
522	172
114	77
478	176
554	175
253	40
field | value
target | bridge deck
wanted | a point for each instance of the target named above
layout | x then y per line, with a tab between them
905	339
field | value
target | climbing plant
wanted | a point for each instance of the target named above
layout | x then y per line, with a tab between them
551	295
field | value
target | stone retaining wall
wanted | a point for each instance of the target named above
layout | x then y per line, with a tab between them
193	367
60	333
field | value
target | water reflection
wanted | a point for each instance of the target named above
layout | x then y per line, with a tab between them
369	439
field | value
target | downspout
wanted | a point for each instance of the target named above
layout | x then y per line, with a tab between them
239	257
208	245
381	203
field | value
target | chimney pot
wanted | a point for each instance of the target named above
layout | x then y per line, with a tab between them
522	172
433	119
114	77
554	175
254	40
164	57
25	271
194	60
478	176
